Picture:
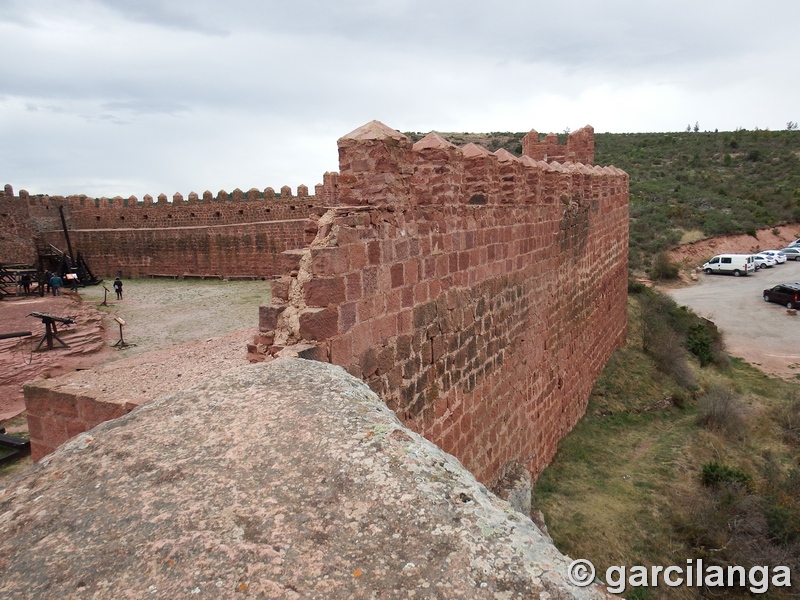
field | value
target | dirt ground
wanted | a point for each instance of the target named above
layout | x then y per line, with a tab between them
696	253
159	315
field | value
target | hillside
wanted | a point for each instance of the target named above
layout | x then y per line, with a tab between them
685	186
684	454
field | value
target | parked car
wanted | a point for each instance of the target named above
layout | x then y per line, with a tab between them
735	264
791	253
775	255
784	293
763	261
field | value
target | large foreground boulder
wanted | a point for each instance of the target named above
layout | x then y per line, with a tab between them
289	479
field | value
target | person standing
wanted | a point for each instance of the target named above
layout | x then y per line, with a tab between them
55	284
26	283
118	288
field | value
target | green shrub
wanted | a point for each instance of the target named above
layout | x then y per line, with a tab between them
783	523
715	474
700	343
663	336
663	268
635	287
754	155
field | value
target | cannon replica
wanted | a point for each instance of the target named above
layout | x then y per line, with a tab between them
51	332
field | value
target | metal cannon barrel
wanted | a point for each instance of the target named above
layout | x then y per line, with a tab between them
6	336
48	317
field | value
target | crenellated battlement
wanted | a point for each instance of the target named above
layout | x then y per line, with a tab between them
234	233
479	293
207	210
82	200
379	165
579	147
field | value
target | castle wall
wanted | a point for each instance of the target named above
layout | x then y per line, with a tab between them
478	294
16	231
249	249
237	234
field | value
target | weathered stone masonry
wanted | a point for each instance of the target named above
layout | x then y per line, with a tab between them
478	293
236	234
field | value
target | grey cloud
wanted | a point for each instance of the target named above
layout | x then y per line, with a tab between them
172	83
174	15
146	106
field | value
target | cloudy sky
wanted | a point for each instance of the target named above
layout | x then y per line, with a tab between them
129	97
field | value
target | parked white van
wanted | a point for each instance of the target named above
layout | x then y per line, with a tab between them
733	264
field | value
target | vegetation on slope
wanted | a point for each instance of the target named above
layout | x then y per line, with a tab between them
689	185
676	461
713	183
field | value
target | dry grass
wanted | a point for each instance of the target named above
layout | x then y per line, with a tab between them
625	487
692	235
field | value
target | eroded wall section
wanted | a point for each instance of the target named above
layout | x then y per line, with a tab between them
478	293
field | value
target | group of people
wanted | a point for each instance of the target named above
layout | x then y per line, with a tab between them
53	282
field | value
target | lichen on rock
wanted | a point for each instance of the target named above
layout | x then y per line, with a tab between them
288	479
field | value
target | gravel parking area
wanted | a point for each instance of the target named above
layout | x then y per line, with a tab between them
761	333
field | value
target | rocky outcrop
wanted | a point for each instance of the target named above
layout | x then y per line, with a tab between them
289	479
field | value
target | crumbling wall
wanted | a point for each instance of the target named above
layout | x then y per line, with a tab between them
478	294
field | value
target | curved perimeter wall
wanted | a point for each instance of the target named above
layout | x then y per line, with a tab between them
237	234
479	294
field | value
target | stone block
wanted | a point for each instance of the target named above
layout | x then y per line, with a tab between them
318	352
268	317
319	323
64	406
280	288
347	316
328	261
324	291
264	339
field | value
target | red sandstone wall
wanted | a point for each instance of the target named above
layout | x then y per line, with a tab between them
479	294
579	147
16	232
54	417
252	249
227	235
